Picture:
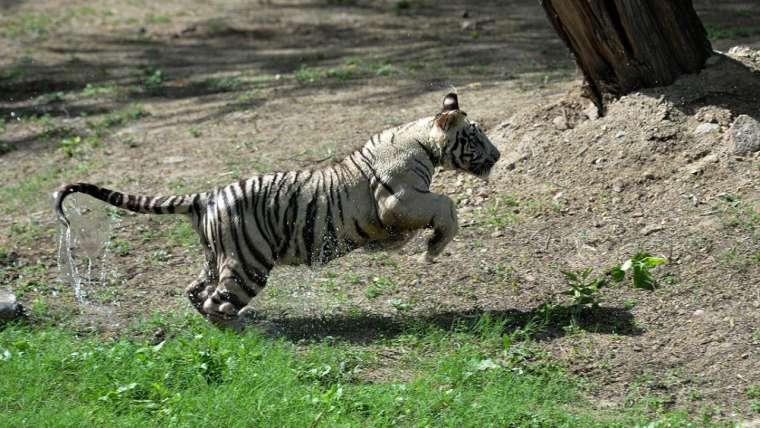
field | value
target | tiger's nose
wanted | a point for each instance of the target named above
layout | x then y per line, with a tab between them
496	155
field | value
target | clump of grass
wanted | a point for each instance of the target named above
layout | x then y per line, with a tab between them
194	132
308	74
152	82
91	90
119	117
120	247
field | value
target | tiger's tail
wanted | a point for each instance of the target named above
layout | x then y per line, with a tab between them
182	204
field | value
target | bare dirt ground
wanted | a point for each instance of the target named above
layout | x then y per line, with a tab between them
166	97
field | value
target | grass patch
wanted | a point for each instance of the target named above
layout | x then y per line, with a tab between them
200	376
91	91
715	32
352	68
182	234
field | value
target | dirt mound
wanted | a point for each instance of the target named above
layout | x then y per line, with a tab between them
658	173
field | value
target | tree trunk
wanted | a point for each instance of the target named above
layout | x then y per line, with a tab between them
625	45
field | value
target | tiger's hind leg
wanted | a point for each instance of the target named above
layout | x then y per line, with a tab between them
198	291
225	303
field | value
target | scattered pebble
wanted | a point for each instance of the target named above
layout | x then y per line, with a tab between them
650	229
744	135
707	128
10	309
743	51
699	312
560	123
171	160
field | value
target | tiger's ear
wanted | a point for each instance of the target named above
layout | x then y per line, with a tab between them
450	102
450	114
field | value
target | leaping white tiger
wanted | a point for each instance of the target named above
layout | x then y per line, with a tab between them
378	197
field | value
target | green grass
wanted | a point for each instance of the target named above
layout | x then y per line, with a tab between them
182	234
351	68
467	377
91	90
715	32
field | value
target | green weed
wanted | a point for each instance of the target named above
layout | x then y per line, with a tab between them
194	132
584	289
152	82
379	286
638	268
308	74
120	247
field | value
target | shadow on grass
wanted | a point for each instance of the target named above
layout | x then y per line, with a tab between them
548	322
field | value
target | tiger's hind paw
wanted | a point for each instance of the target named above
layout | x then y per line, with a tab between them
427	258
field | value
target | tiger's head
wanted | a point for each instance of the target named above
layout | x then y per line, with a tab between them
465	146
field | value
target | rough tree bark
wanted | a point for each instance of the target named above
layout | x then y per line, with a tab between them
625	45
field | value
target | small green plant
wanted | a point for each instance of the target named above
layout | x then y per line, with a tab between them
340	73
638	267
308	74
194	132
152	81
401	305
118	118
378	287
584	289
245	100
753	392
129	142
120	247
71	146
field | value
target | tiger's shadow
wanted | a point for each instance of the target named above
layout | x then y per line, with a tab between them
545	325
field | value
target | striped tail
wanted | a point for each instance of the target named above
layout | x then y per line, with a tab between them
184	204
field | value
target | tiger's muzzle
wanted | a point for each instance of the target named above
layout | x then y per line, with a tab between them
484	170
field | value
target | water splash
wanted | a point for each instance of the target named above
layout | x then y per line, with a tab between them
84	256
